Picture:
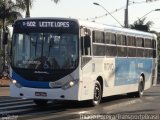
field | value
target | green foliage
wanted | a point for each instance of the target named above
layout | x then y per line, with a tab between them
25	5
158	48
1	53
9	12
56	1
142	25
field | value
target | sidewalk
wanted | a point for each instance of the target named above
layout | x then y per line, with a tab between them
4	92
4	82
153	91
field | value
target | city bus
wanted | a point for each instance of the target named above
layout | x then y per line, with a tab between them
71	59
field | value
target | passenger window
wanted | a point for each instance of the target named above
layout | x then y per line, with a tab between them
107	38
113	38
86	43
118	39
124	40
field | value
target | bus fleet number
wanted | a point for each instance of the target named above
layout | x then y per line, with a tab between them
29	24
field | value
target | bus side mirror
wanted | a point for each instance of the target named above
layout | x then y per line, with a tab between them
5	38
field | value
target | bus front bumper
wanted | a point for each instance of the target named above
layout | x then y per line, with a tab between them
49	94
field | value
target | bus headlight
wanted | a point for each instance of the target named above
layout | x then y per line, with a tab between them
69	84
18	85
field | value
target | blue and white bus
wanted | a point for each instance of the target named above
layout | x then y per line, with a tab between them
69	59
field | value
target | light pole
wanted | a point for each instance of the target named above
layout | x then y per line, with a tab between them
139	24
108	13
149	13
28	8
126	15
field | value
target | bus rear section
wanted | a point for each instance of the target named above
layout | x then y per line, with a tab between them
117	61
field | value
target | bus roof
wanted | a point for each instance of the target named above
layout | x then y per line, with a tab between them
114	29
98	26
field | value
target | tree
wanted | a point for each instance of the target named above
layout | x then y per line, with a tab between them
56	1
140	24
27	4
8	13
0	24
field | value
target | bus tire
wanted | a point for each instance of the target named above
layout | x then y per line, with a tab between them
40	102
140	91
97	94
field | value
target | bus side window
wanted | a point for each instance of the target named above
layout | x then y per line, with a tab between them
82	44
86	43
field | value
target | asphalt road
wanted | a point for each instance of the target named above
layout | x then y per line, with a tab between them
111	108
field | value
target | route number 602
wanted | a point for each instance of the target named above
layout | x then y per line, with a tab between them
29	24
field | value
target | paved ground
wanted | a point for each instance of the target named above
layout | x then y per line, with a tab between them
4	91
25	109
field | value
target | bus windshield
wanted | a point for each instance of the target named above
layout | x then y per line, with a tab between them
45	50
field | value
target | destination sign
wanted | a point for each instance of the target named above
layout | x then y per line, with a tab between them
46	25
43	24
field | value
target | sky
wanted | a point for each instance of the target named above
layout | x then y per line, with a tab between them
86	10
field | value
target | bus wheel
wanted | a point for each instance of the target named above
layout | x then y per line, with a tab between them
40	102
97	94
140	91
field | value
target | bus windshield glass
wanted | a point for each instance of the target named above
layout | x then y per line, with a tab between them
39	51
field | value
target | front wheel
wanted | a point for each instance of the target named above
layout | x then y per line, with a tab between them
97	94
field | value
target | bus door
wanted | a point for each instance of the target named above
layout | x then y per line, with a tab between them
85	46
86	65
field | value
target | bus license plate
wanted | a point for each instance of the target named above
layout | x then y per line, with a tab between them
43	94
